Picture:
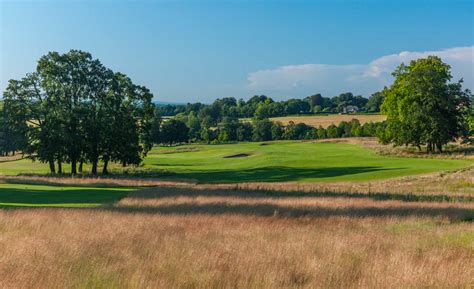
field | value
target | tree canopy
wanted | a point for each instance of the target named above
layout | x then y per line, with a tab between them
73	109
423	107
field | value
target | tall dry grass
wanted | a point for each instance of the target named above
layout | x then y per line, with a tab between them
221	238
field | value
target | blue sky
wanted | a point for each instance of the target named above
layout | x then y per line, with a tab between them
201	50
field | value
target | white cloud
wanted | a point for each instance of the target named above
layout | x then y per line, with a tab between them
363	79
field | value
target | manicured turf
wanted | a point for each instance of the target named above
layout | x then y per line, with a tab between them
270	162
31	195
289	161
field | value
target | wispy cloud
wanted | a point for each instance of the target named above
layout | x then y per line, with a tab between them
363	79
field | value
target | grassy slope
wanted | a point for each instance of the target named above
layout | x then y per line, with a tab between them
275	162
31	195
291	161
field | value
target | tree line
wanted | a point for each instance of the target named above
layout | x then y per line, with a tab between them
423	108
74	110
261	106
179	130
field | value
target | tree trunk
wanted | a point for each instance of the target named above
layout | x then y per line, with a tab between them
73	167
80	166
94	167
52	169
104	169
60	167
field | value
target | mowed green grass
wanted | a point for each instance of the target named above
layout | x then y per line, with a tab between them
34	195
289	161
279	161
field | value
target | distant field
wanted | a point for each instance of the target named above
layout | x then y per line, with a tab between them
280	161
327	120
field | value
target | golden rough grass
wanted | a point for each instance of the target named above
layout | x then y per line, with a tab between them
200	238
327	120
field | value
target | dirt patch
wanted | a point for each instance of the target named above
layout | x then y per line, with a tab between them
237	156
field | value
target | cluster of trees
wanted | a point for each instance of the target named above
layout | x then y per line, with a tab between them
261	106
74	110
175	131
424	108
10	139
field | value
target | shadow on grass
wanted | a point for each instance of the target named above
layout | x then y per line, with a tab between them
276	174
173	192
265	210
69	197
262	174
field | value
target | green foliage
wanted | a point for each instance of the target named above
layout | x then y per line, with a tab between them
262	130
296	131
277	130
73	109
422	107
244	132
11	137
174	131
374	103
261	107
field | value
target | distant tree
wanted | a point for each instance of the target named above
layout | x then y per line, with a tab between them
174	131
311	133
296	106
228	129
194	125
277	130
343	129
244	132
331	131
321	132
422	107
470	117
208	134
262	130
374	102
368	129
156	125
296	131
356	129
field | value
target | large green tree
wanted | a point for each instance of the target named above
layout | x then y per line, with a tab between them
423	107
76	110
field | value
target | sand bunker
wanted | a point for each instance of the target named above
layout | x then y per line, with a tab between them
237	156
